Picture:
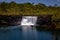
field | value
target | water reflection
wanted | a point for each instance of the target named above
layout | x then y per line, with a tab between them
27	33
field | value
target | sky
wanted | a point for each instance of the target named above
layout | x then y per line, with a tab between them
46	2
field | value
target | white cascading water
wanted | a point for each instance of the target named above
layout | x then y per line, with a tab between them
28	20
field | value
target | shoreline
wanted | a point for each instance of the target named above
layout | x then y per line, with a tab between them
16	20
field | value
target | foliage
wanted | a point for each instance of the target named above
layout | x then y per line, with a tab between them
14	8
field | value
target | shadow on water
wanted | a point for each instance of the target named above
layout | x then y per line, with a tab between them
55	33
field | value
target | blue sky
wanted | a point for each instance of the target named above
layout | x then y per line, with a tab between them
47	2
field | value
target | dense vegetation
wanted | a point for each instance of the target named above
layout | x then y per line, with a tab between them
14	8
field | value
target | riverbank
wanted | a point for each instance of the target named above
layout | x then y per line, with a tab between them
42	20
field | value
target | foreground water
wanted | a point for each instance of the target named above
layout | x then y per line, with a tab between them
26	33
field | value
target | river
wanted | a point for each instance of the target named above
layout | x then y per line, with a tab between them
26	33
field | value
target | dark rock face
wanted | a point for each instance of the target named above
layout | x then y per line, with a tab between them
44	20
10	20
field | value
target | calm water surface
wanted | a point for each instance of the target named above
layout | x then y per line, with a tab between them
25	33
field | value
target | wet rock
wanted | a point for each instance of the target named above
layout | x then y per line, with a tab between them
10	20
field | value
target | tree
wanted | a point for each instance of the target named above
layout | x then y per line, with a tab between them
4	6
55	5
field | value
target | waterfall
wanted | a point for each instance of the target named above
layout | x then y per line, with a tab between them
29	20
